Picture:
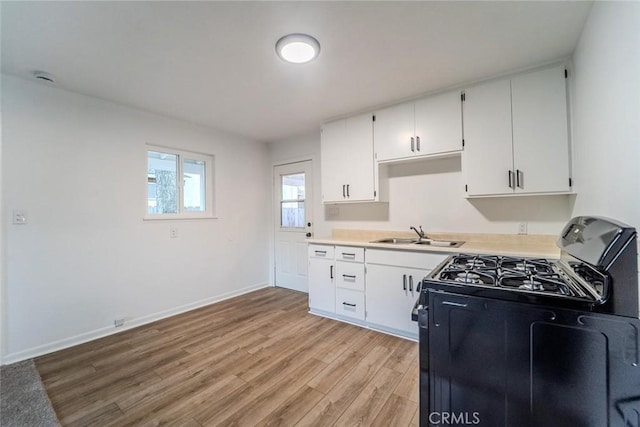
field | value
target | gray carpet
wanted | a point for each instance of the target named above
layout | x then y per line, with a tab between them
23	401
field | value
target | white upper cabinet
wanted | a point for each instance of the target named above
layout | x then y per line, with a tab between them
540	134
348	169
516	137
439	123
394	132
488	159
426	127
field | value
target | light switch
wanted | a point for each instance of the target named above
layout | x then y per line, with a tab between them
19	217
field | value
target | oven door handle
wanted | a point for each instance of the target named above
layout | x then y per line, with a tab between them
455	304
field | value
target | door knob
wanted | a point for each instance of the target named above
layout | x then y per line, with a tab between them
308	224
308	234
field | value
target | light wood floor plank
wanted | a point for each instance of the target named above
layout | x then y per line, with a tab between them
370	401
294	408
398	411
258	359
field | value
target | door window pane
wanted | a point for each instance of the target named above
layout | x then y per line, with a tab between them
292	214
293	187
292	201
194	185
162	178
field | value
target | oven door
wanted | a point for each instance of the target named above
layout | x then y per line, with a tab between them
423	337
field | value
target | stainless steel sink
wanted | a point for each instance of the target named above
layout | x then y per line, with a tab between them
441	243
429	242
396	241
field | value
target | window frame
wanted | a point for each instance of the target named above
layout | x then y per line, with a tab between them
209	192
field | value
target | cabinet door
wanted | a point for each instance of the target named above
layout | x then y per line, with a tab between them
394	129
391	294
347	163
439	124
332	161
487	155
540	135
357	158
322	292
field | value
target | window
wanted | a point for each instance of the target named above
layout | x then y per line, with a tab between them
292	201
179	184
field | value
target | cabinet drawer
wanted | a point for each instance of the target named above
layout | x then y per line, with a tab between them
350	303
347	253
321	251
423	260
350	275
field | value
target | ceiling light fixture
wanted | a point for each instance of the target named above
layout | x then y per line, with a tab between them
298	48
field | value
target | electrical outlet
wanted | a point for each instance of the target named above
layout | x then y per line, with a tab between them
118	322
173	232
19	217
522	228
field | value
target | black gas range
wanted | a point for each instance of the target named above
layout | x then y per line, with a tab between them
525	341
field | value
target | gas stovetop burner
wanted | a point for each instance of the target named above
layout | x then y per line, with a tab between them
476	263
541	282
469	262
528	266
468	278
531	285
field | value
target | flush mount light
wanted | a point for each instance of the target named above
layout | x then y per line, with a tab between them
298	48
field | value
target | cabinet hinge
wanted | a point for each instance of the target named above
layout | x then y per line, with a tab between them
566	73
570	182
374	117
463	97
466	187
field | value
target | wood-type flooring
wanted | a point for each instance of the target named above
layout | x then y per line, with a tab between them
259	359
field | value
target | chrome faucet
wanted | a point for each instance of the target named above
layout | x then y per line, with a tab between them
420	233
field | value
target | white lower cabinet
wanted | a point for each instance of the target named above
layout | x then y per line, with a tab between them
350	275
391	294
372	287
350	303
322	290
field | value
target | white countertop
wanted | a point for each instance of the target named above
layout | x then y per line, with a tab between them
535	246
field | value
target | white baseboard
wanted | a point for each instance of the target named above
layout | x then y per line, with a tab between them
364	324
110	330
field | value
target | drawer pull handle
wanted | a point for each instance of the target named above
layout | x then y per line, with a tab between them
320	252
348	255
349	276
348	304
455	304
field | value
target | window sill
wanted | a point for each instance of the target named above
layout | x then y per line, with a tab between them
177	217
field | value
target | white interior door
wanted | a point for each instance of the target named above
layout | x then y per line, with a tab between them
293	224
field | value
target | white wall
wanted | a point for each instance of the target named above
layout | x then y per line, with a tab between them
607	113
429	193
77	165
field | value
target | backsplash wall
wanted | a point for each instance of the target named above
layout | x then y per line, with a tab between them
428	193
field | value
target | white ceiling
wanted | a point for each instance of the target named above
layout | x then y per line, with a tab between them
214	63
